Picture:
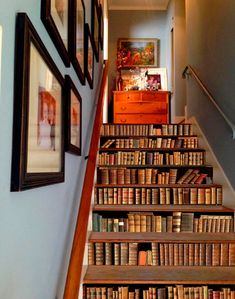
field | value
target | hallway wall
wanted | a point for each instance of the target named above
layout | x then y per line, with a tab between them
36	226
134	24
176	57
153	24
211	52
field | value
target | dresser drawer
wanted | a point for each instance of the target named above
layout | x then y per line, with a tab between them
140	118
154	96
128	97
141	107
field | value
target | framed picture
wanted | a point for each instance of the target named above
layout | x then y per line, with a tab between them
89	56
132	79
38	136
77	40
101	27
139	52
157	76
95	27
73	118
55	17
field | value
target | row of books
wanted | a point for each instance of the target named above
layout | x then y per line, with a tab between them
145	130
159	142
177	222
161	254
158	292
151	176
151	158
163	195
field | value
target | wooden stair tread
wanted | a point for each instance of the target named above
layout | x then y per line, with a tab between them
153	166
159	275
164	208
161	237
158	185
152	149
147	136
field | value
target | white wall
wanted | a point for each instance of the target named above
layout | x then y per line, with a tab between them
36	225
180	57
175	22
210	29
170	70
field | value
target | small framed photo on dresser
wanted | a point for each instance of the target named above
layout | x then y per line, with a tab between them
73	118
55	17
38	134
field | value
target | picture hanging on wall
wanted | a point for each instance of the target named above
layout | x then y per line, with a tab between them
89	56
55	17
73	118
137	52
101	27
95	27
38	135
77	40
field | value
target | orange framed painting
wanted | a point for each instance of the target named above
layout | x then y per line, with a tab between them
138	52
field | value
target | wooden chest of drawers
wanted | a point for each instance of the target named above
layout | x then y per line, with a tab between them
141	106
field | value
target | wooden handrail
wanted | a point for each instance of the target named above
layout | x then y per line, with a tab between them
76	258
190	71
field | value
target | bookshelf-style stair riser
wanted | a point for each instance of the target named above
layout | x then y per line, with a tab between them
155	222
209	195
159	229
170	292
161	254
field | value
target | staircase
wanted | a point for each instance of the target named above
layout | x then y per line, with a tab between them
159	227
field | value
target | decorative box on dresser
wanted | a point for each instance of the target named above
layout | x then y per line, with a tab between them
141	106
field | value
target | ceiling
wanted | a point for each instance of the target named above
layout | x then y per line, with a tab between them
138	4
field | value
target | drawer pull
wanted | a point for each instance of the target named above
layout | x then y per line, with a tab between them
123	108
123	120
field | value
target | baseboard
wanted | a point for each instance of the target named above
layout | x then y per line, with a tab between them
178	119
219	176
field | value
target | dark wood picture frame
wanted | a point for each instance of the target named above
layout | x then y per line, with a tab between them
89	56
38	130
95	24
101	27
57	23
73	118
77	39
